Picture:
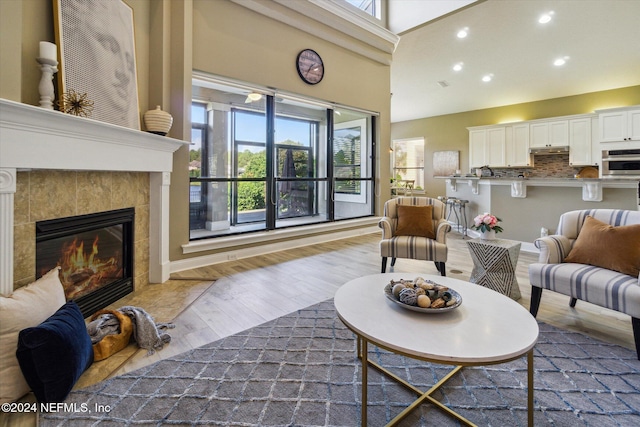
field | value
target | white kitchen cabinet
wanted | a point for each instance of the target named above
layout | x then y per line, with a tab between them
549	134
596	151
620	125
495	149
580	138
487	147
517	145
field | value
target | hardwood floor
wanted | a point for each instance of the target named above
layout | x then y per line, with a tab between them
251	291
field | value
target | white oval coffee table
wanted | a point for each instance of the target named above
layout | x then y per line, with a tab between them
487	328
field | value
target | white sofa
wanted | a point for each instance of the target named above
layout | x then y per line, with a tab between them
597	285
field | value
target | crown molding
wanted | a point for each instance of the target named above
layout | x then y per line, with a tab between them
334	21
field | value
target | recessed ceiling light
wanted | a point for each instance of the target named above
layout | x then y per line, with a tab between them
458	66
546	17
487	78
559	62
464	32
253	96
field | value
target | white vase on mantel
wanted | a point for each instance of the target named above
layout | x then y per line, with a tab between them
488	235
158	121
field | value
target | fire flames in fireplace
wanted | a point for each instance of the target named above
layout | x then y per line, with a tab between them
82	272
94	253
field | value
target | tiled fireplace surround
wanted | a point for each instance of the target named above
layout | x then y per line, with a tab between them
44	194
53	165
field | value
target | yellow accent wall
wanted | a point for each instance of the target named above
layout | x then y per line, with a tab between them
449	132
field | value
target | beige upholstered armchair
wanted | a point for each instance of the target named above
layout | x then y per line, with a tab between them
408	233
595	257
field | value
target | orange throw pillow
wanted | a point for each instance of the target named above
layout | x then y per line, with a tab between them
415	221
606	246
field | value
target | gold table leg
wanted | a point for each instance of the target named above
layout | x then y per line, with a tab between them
364	356
362	352
530	388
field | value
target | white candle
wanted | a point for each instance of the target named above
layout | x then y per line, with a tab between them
48	51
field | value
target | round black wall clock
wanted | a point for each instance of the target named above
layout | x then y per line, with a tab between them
310	66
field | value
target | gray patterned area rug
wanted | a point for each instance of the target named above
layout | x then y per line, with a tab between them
301	370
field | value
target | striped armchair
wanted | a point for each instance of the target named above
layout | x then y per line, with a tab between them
606	288
414	247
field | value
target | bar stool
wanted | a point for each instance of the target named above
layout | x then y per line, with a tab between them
461	206
449	206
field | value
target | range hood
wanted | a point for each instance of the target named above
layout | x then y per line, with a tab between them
549	150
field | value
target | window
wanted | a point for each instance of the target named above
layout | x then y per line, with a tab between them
408	163
372	7
349	159
263	161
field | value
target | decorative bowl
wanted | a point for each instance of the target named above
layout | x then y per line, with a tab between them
453	295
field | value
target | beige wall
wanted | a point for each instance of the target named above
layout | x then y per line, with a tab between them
25	23
232	41
449	132
228	40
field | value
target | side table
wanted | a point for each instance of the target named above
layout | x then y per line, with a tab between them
494	265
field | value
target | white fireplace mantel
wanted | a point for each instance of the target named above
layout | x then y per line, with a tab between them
35	138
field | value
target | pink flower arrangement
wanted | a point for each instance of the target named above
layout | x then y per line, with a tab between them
486	222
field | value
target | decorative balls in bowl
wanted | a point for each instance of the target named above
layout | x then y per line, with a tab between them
422	295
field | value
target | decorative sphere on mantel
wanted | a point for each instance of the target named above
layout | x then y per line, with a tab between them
158	121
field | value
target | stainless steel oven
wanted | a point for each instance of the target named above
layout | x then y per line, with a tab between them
621	163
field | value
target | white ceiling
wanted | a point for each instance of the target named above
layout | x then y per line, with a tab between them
600	37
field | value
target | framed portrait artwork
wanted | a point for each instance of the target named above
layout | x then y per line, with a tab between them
97	57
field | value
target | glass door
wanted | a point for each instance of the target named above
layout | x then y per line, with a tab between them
300	134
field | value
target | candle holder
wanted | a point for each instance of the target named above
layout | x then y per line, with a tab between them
47	94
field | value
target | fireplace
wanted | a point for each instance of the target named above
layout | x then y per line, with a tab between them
94	253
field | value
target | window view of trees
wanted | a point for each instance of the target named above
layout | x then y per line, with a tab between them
235	190
251	195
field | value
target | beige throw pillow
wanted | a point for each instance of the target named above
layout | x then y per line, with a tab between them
26	307
606	246
415	221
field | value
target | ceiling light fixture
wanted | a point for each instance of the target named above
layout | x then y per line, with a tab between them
253	96
487	78
463	33
546	17
458	66
560	61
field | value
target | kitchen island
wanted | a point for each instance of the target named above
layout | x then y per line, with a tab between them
525	206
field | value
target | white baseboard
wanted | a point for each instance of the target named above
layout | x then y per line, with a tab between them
262	249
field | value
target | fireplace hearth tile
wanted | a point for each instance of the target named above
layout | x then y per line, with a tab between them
94	192
21	199
125	190
24	253
50	196
142	222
